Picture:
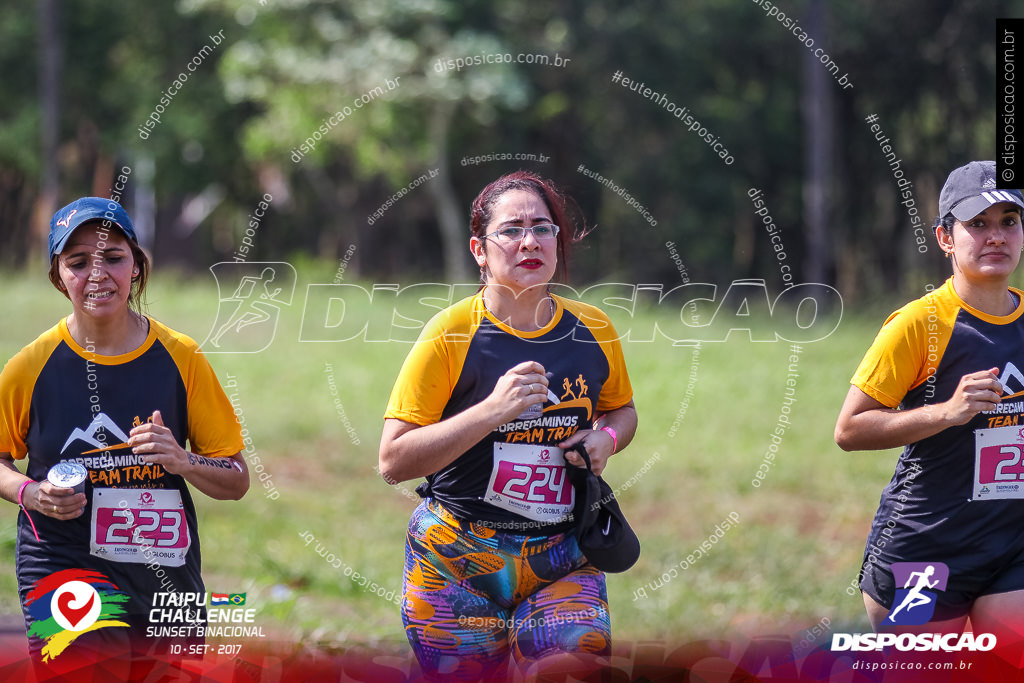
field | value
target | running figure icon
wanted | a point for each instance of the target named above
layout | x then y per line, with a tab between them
250	309
914	597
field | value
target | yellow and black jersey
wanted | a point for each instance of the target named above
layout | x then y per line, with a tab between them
61	402
456	363
953	494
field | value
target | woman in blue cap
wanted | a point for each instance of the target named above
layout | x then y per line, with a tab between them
943	380
117	396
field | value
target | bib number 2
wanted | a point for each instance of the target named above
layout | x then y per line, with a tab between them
139	525
999	463
530	481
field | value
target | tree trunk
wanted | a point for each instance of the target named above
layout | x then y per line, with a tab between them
454	230
817	113
50	57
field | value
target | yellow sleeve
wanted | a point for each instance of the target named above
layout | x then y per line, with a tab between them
433	366
898	359
617	390
17	382
213	429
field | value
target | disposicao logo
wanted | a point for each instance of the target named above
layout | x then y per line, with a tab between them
914	603
69	603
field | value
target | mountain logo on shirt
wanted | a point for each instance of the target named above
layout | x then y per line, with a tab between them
89	435
1010	371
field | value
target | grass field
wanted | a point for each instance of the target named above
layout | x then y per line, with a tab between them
783	568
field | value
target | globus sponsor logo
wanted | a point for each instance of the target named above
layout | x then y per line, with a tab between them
913	642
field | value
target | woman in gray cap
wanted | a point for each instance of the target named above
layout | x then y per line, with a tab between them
102	405
943	379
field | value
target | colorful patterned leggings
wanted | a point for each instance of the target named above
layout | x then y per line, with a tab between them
473	595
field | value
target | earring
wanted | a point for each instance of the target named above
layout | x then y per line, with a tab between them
947	254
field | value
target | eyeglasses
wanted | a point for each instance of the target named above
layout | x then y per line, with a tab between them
516	233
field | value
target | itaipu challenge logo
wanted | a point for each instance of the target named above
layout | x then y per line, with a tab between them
72	602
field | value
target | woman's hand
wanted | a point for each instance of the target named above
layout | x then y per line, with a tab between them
53	501
522	386
865	424
599	445
157	445
225	478
976	393
409	450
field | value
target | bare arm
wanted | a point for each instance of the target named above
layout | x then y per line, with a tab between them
865	424
599	443
219	478
409	451
44	497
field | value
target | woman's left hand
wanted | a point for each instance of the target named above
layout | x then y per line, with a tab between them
157	445
599	445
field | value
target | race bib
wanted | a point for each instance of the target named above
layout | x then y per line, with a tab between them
530	480
139	525
998	469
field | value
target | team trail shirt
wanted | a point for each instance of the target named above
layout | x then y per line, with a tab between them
60	402
956	493
517	473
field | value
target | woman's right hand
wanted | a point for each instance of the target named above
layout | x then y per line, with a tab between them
53	501
522	386
976	392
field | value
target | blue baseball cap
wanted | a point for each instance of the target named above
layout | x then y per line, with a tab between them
83	210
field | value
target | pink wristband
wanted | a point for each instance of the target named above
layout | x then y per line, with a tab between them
615	438
21	492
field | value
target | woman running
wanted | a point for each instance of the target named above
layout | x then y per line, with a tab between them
943	379
490	398
115	395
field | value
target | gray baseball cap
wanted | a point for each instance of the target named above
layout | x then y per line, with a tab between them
971	189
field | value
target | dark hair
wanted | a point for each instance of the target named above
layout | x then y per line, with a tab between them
137	296
946	222
564	211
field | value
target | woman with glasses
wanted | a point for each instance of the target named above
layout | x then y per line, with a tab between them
490	398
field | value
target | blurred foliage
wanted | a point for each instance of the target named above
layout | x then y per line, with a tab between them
927	70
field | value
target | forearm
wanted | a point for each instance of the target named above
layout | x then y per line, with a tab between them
884	428
423	450
623	420
11	480
219	478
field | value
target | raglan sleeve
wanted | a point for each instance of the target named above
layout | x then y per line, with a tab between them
892	365
213	429
425	382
